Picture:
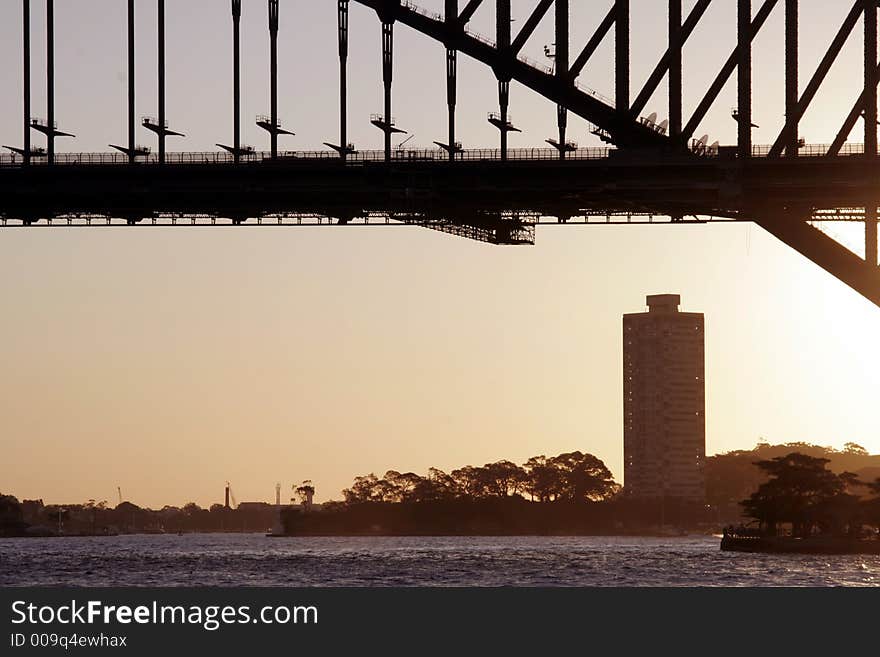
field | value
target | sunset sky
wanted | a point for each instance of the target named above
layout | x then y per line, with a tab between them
168	361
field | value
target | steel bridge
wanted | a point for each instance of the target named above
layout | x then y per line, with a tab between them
650	172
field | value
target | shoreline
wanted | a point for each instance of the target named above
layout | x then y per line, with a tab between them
389	535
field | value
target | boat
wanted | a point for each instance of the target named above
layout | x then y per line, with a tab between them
731	542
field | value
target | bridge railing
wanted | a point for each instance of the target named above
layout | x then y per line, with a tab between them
422	10
222	157
399	156
813	150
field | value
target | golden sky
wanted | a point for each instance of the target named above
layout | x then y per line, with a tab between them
168	361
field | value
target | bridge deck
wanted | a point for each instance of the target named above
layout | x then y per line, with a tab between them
400	155
622	182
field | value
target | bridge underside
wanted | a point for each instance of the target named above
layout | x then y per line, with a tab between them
492	201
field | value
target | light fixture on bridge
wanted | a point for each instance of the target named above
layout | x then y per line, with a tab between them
386	125
567	147
507	126
265	122
38	151
863	116
138	151
348	149
451	149
242	151
160	128
50	130
734	113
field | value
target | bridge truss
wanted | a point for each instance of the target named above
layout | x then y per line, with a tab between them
650	169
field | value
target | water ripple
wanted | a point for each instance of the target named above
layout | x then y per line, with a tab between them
255	560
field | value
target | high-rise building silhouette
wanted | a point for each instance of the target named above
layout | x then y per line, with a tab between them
664	402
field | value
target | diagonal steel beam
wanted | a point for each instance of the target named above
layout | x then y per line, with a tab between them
530	25
624	131
468	11
828	254
656	77
594	42
851	119
726	72
819	76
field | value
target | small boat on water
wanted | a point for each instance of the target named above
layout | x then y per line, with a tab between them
753	542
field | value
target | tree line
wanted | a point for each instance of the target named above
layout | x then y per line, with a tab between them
572	477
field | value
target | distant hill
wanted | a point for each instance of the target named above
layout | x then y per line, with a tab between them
732	477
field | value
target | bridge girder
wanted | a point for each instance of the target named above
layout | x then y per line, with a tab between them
625	130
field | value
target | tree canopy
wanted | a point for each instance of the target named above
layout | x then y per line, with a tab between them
573	477
801	490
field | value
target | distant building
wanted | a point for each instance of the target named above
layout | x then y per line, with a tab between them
254	506
664	402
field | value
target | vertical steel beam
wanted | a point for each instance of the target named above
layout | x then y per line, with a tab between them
502	33
342	24
26	82
451	95
792	87
161	64
660	71
451	20
273	76
821	72
675	75
857	112
871	78
387	78
236	79
871	123
621	58
561	60
50	80
503	106
726	71
131	136
871	232
744	76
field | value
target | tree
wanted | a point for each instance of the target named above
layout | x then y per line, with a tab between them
543	480
871	506
10	509
853	448
501	479
584	477
442	485
305	491
469	481
572	476
191	509
361	490
397	487
800	490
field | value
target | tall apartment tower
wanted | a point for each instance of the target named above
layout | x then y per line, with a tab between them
664	402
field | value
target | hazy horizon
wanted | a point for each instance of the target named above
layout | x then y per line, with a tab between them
168	361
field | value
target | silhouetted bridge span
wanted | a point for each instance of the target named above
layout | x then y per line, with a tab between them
651	171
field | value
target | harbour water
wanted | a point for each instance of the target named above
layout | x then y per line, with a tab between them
256	560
